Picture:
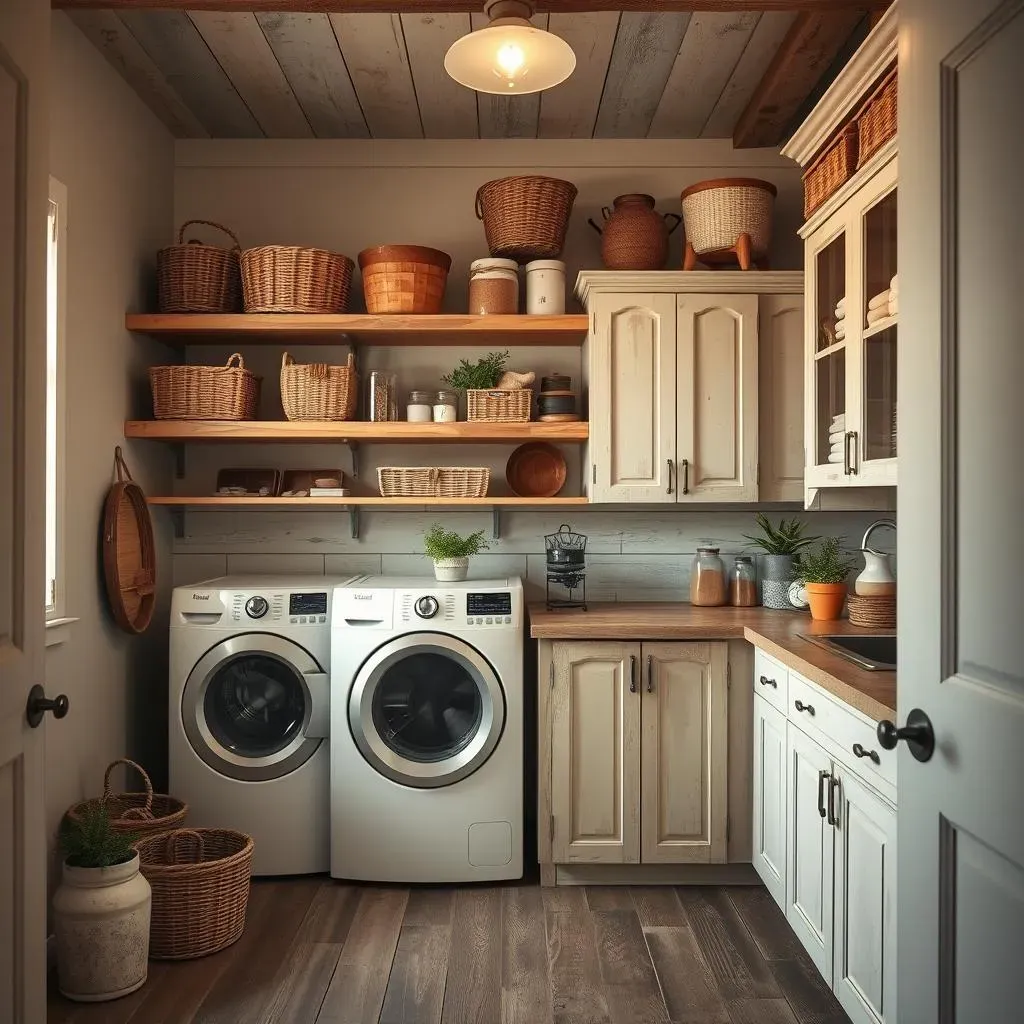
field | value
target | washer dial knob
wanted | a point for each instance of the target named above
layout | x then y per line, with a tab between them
256	607
426	607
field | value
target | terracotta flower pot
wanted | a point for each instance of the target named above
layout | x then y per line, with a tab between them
826	600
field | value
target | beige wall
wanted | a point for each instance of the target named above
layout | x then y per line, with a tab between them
116	161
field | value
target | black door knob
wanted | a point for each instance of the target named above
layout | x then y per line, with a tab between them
918	733
39	704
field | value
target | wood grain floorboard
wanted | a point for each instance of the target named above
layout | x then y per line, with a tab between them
690	992
429	906
631	986
415	992
567	899
120	1011
765	922
577	992
658	906
811	999
330	914
303	982
609	897
761	1011
472	993
525	981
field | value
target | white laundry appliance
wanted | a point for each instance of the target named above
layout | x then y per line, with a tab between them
427	730
249	713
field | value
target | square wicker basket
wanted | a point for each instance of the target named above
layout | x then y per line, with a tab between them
433	481
831	170
498	406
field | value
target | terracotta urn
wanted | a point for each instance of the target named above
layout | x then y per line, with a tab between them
635	235
826	600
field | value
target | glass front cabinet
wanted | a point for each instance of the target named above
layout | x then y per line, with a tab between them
852	311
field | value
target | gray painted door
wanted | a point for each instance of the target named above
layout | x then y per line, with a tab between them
961	491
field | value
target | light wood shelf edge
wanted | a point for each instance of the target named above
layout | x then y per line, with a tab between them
881	325
498	501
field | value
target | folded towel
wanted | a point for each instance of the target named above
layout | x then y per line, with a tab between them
894	284
894	305
838	424
841	305
836	437
841	334
835	457
840	322
874	315
879	300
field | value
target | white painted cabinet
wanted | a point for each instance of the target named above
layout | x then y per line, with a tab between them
770	798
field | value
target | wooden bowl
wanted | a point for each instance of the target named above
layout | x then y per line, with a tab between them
536	470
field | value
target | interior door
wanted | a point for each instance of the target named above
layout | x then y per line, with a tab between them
24	45
961	486
769	830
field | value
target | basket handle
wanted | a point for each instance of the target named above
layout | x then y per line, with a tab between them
211	224
479	204
121	468
679	220
286	360
593	223
173	838
606	212
235	360
145	781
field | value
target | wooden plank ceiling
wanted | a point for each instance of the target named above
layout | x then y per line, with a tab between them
251	73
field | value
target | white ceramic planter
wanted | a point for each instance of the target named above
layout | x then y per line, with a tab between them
451	570
101	917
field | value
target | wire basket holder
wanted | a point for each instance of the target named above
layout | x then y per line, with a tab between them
566	553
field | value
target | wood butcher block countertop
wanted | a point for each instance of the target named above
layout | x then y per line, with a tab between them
776	633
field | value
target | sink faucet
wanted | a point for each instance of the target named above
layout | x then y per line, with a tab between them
871	529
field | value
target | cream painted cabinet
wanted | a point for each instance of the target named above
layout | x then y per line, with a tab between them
770	802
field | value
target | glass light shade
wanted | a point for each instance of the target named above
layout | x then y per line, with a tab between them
510	57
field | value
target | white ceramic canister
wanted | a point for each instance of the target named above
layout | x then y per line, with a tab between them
545	287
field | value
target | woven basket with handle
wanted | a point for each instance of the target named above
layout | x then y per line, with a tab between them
191	392
197	278
317	391
294	279
876	121
200	882
433	481
499	406
145	814
525	217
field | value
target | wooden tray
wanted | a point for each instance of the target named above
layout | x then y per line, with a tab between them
536	470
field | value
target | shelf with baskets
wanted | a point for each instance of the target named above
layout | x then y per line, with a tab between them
361	501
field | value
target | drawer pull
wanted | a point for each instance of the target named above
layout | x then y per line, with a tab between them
632	673
765	681
822	776
833	785
871	755
801	706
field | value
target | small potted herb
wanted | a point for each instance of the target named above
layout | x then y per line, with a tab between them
781	546
824	572
451	553
482	375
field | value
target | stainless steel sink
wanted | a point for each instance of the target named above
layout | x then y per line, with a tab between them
875	652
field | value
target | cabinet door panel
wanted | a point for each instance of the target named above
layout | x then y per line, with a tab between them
595	756
632	398
684	751
717	397
809	893
780	358
770	798
864	961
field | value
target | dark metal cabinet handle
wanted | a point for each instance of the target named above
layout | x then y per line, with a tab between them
833	785
822	776
871	755
765	681
38	704
686	476
846	453
668	489
650	673
918	733
632	673
801	706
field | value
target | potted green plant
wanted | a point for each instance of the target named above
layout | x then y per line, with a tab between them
482	375
824	572
781	546
451	553
101	910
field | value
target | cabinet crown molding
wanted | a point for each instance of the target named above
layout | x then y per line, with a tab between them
701	282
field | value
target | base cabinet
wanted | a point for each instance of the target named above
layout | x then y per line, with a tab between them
770	800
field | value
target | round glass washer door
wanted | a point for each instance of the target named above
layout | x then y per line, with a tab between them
426	710
247	706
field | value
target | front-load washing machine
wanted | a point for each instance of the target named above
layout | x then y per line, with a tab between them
427	730
250	713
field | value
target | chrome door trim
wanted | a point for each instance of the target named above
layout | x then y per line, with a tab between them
426	774
305	742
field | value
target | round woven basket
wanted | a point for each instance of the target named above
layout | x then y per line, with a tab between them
145	814
293	279
877	611
404	278
716	212
197	278
200	881
525	217
316	391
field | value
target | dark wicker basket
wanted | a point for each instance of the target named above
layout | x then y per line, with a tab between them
525	217
146	813
197	278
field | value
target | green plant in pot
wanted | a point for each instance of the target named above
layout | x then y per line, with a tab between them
451	552
101	910
781	546
824	572
482	375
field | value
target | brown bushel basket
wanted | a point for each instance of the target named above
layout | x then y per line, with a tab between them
497	406
144	814
404	278
197	278
293	279
200	882
316	391
525	217
876	120
831	170
433	481
184	392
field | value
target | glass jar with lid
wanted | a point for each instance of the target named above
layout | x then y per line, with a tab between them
493	287
419	407
707	579
382	397
446	406
743	583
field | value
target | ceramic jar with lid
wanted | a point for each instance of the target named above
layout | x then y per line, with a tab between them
545	288
446	406
419	407
635	235
493	287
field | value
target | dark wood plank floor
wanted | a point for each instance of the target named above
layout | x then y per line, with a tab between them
318	952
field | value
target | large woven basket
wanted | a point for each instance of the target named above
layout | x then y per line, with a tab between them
716	212
831	170
200	881
316	391
143	814
197	278
498	406
293	279
525	217
404	278
433	481
876	121
192	392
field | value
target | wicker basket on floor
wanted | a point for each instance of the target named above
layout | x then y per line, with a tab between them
294	279
404	278
191	392
525	217
499	406
877	611
316	391
831	170
200	881
197	278
876	121
433	481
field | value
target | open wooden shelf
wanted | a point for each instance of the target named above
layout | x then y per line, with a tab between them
881	325
313	432
325	329
498	501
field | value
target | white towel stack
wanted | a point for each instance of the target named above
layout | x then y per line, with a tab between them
840	312
885	303
837	438
894	295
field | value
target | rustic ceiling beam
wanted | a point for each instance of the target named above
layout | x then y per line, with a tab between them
808	51
474	6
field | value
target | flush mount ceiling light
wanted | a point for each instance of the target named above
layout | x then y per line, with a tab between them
510	56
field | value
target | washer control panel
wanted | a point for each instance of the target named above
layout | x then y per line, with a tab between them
256	607
297	608
426	607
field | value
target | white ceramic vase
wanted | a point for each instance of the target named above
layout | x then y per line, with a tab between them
451	570
101	918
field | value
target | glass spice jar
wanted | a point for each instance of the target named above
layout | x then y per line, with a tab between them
446	406
419	408
707	579
743	583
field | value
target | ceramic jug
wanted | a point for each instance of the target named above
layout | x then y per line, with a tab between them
877	578
635	235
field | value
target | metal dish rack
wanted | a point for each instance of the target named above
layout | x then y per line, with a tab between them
566	569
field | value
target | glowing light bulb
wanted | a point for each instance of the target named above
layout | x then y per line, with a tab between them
510	60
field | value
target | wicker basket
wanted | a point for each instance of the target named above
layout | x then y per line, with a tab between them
292	279
525	217
144	814
433	481
184	392
197	278
404	278
876	611
716	212
316	391
876	121
200	881
497	406
831	170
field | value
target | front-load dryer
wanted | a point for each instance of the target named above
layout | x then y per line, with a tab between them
427	731
250	713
